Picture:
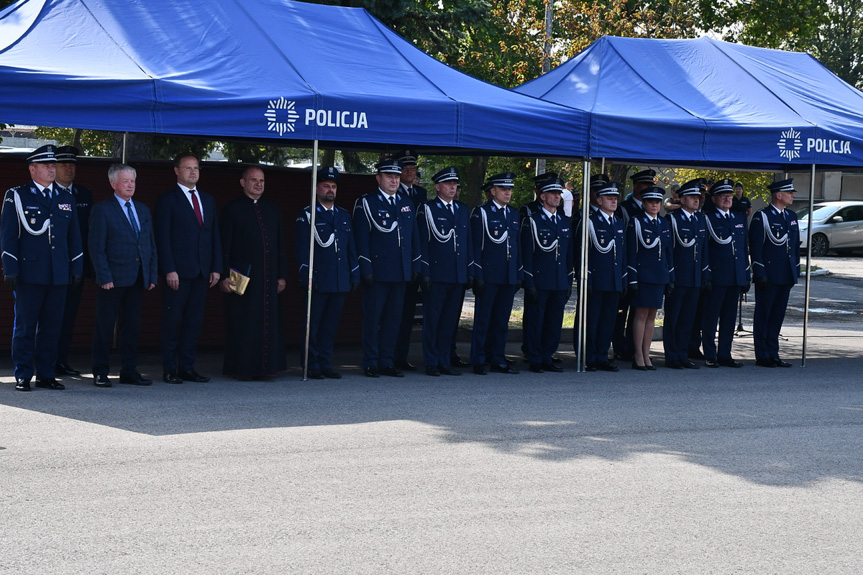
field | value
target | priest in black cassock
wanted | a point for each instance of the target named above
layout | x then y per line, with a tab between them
253	244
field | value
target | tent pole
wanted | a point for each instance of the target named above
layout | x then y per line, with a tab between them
580	324
313	209
808	263
123	151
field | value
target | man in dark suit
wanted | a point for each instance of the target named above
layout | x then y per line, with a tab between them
446	254
41	253
774	245
190	258
67	160
123	251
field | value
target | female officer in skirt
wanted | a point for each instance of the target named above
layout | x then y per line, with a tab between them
650	267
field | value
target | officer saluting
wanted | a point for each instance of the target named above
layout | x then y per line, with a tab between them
547	255
728	273
774	245
689	234
496	271
606	271
41	253
446	254
387	238
336	270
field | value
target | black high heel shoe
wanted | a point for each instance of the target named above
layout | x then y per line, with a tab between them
638	367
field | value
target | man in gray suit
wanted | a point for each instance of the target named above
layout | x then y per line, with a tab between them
123	251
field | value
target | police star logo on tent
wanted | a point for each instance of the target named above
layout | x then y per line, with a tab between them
790	144
281	116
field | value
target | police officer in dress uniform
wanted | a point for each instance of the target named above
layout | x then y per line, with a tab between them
547	255
694	347
418	195
606	271
446	254
497	273
385	230
336	270
40	241
624	347
728	272
689	234
67	160
740	204
774	245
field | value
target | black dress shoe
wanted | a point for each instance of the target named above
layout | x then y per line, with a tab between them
103	381
433	371
446	370
730	362
556	360
479	370
456	361
509	361
650	367
22	384
65	369
134	379
371	372
331	374
536	368
170	377
552	367
391	371
689	365
779	363
504	368
765	363
590	367
315	375
711	363
673	365
405	365
192	375
607	366
49	383
637	367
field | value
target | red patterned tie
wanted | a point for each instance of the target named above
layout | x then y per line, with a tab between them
197	207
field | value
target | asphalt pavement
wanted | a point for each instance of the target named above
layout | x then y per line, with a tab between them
747	470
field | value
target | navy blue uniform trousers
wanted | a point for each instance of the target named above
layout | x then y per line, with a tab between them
771	300
382	314
326	313
38	313
491	324
720	306
680	310
601	314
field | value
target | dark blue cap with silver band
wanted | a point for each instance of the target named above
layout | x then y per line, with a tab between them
448	174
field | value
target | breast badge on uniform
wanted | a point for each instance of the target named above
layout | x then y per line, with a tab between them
65	207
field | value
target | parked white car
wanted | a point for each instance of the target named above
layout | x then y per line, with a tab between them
836	226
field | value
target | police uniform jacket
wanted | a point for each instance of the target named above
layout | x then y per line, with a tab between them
387	237
649	251
547	254
336	266
630	209
40	237
445	241
774	245
606	253
84	205
689	235
495	241
417	194
728	264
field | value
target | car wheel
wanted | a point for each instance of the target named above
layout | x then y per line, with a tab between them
820	245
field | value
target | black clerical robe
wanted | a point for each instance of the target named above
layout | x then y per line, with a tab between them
253	243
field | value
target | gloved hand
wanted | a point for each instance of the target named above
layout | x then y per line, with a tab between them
368	280
11	281
707	287
469	283
415	278
669	287
761	280
75	280
425	283
746	288
478	286
531	293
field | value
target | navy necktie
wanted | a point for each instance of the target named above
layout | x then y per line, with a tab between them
132	219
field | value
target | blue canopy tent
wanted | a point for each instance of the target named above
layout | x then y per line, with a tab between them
257	69
709	103
272	70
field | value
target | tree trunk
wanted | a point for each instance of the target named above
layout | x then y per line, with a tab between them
471	186
138	146
352	162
